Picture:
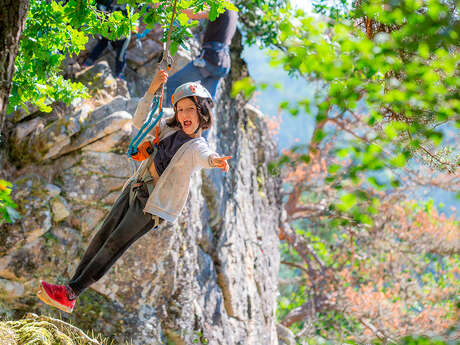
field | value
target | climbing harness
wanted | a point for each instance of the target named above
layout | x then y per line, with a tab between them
143	177
136	150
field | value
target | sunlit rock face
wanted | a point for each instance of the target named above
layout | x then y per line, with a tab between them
209	278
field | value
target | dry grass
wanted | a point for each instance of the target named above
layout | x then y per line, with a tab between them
44	330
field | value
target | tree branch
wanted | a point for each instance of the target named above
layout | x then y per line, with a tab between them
300	313
293	264
309	211
300	245
436	158
378	333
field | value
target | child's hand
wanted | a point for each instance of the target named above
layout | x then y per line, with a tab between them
160	78
221	163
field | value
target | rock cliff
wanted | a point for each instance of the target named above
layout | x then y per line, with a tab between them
211	278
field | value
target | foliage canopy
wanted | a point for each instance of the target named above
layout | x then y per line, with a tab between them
56	29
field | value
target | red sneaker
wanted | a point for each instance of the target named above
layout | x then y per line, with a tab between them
56	296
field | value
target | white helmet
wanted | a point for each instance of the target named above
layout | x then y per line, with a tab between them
189	89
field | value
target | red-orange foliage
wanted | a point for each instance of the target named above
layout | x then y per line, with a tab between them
396	277
273	125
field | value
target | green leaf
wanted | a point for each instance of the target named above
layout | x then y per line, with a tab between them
245	85
213	12
318	136
342	153
305	158
284	105
436	137
390	131
173	47
395	183
347	202
365	219
229	5
399	161
333	168
294	111
374	182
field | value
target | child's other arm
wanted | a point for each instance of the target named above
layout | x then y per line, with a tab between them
143	108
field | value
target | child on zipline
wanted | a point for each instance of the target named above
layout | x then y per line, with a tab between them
157	191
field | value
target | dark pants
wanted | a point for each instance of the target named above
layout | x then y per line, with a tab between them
122	226
120	59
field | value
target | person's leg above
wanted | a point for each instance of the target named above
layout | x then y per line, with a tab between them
120	58
212	75
97	51
211	83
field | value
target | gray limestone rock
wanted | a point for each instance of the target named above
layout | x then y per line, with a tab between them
53	190
94	175
140	56
98	77
89	219
104	127
21	113
119	103
113	141
39	141
25	129
36	215
59	208
146	72
11	289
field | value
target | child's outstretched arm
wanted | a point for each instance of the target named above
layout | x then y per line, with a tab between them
143	108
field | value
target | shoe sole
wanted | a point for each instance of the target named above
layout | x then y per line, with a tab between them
43	296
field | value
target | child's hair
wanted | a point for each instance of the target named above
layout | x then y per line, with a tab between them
203	107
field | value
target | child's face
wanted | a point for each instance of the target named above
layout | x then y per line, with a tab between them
187	115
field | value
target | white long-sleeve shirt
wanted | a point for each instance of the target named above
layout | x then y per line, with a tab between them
170	193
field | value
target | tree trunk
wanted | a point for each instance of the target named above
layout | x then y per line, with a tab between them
12	18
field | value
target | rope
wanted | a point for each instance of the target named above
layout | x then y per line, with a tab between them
146	127
158	98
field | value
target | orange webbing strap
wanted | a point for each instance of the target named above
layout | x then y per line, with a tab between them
143	151
157	134
161	101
